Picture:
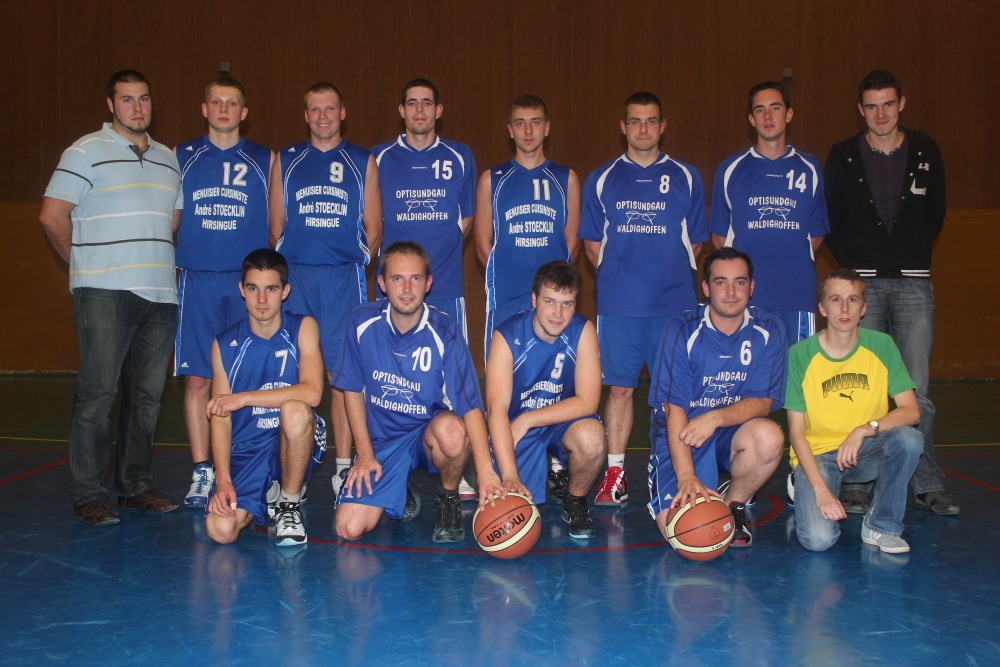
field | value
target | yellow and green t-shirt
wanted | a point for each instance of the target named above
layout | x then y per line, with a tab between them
838	395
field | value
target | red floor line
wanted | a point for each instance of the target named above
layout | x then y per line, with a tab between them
776	506
969	479
32	472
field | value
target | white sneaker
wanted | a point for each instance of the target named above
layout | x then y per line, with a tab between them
202	479
272	499
338	480
289	527
465	490
890	544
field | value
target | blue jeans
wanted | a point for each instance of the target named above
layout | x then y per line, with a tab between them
904	309
889	458
121	336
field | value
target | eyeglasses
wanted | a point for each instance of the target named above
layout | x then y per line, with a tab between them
635	122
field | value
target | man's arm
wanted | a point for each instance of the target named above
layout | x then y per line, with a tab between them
701	428
223	502
829	506
483	221
573	214
276	205
309	389
689	487
360	476
372	217
907	413
834	192
593	251
717	241
489	484
816	242
58	226
499	389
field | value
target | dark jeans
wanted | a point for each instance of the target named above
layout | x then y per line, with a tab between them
121	336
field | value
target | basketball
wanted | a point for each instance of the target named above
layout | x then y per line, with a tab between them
701	531
508	530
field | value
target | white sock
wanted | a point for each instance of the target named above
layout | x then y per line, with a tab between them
286	497
343	464
616	460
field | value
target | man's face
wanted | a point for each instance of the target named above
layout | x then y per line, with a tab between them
419	111
881	110
553	310
643	126
324	113
224	109
528	128
729	288
263	293
769	116
842	305
132	106
406	283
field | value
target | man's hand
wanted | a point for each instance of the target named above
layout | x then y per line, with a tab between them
829	506
360	475
221	405
223	502
518	429
699	429
847	455
490	488
514	485
688	491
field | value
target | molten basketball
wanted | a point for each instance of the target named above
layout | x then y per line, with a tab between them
701	531
508	530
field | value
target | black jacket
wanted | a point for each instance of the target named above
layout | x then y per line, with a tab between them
857	237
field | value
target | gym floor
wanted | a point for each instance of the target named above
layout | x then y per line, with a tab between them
153	590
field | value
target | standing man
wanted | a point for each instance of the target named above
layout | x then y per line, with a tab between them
224	180
543	384
326	218
413	402
108	211
720	370
768	202
643	223
527	214
886	195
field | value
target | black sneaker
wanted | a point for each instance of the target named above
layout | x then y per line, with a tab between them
742	537
937	502
449	526
855	501
556	484
575	513
412	504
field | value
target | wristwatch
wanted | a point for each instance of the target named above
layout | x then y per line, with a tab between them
874	426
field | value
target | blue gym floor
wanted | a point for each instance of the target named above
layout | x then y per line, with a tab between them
153	590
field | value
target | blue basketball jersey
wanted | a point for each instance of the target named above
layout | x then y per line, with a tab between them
529	228
324	202
646	219
771	209
700	369
407	378
253	363
225	204
425	196
544	373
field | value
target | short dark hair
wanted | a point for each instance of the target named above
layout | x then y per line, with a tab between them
419	83
849	275
403	248
786	95
528	102
879	79
642	99
560	275
726	253
125	76
226	81
319	89
265	259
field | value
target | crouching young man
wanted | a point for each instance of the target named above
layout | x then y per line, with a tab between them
267	376
840	424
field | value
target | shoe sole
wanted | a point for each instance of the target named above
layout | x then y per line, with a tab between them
885	549
931	509
611	503
853	509
196	501
143	509
291	541
108	522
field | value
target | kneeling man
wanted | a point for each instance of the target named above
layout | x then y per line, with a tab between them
840	424
267	376
720	370
543	384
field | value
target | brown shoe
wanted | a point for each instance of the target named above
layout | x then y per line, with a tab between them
149	500
97	513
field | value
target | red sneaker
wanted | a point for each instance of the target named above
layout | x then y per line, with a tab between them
613	489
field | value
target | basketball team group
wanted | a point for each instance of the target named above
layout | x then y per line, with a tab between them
247	266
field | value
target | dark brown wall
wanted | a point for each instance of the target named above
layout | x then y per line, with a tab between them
583	58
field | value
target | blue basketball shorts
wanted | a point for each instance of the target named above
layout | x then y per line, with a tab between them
328	294
495	318
626	344
209	302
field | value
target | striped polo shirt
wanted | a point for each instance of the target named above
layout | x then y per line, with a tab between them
123	219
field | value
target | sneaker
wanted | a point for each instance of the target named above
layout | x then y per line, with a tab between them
613	489
465	490
339	479
575	513
449	526
937	502
289	527
201	483
790	490
302	493
742	537
96	513
412	504
855	501
725	487
887	543
149	500
272	500
557	484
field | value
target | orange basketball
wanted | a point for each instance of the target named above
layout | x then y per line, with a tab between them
701	531
508	530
